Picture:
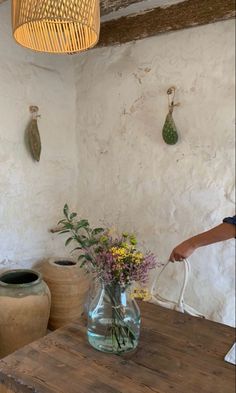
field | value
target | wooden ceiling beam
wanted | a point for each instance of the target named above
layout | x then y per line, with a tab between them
188	13
107	6
148	23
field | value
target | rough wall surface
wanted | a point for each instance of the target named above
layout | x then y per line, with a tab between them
131	179
32	194
128	177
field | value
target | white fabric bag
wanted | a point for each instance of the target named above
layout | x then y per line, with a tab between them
180	305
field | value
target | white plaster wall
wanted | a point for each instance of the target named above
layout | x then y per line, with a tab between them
32	194
127	177
130	178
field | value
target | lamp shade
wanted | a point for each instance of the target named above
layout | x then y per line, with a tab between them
56	26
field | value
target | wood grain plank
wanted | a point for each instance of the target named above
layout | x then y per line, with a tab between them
4	389
182	15
202	333
80	368
169	359
166	358
107	6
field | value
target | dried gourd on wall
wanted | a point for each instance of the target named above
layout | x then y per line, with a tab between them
169	130
33	135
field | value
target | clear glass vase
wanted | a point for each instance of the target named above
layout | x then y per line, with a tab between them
113	320
94	286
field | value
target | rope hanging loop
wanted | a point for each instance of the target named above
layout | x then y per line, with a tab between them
34	111
171	98
180	304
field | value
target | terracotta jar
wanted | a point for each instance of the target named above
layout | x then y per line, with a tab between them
24	309
68	284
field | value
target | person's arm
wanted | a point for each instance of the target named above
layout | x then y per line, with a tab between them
220	233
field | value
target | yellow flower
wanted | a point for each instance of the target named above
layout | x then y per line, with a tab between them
118	251
137	257
141	293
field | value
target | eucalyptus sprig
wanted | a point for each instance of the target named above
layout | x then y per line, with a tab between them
80	232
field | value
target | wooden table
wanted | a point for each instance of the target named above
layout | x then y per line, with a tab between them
177	354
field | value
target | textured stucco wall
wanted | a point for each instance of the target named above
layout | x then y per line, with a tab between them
130	178
127	177
32	194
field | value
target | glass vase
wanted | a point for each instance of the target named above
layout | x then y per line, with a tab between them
93	289
113	320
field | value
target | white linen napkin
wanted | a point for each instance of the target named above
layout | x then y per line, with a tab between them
231	355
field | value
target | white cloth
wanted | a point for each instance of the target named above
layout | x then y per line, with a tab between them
231	355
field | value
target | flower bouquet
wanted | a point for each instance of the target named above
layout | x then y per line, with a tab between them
116	263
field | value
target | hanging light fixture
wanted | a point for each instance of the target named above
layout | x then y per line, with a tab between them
56	26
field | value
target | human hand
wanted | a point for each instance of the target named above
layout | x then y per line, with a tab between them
182	251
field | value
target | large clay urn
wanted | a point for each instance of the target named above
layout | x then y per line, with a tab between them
24	309
68	284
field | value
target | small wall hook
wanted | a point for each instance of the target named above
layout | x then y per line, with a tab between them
171	98
171	90
33	108
34	111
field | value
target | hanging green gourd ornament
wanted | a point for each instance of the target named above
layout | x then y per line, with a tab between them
169	131
33	135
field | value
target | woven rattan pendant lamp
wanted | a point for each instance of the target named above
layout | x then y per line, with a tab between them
56	26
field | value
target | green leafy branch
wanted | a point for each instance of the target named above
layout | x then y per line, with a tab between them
80	232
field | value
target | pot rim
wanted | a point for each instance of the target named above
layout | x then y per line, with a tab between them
53	262
23	285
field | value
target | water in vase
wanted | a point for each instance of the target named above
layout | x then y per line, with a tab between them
113	320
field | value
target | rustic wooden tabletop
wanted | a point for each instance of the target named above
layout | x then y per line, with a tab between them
177	353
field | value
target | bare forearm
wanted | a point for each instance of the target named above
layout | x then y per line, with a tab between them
220	233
